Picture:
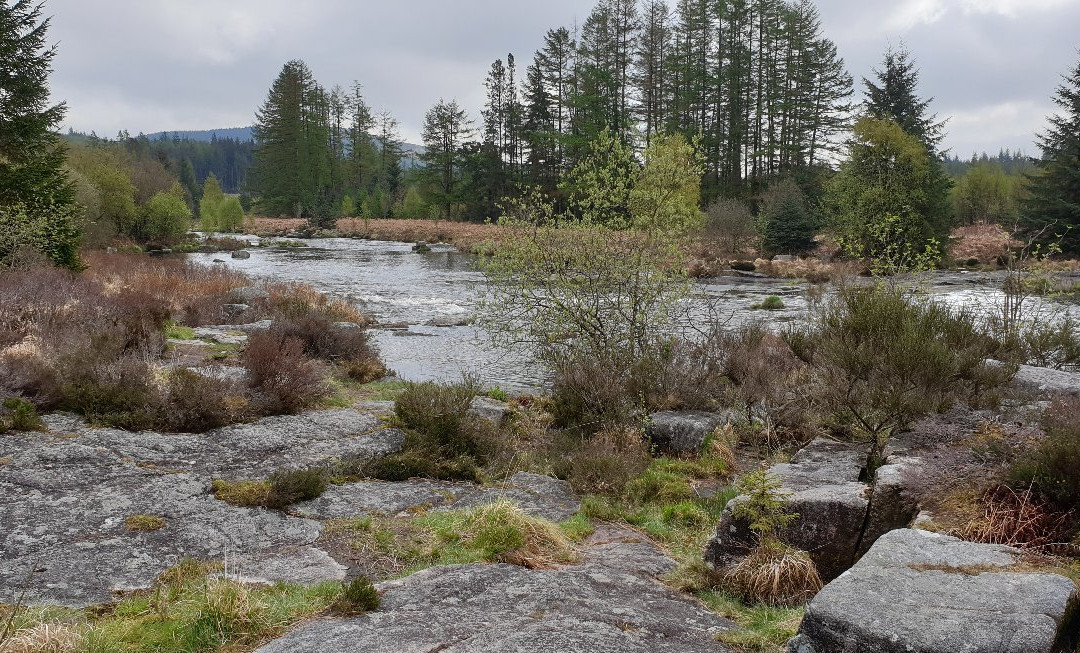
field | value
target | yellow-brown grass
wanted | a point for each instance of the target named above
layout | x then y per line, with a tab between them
46	638
465	235
774	574
984	242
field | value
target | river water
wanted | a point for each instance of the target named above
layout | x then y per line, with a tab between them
423	302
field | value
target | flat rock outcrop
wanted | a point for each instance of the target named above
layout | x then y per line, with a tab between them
540	496
68	493
610	603
1043	380
823	487
920	592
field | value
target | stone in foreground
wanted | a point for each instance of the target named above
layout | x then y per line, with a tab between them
683	432
611	603
920	592
823	487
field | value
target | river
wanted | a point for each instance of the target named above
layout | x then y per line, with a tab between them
423	302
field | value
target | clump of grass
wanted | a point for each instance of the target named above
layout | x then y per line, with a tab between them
771	303
242	493
186	610
496	532
144	523
174	331
774	574
356	598
764	629
498	394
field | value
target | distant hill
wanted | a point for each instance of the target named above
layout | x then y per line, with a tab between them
242	134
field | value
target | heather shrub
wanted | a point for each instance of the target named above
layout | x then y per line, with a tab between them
1051	467
438	413
196	402
293	486
357	597
285	379
346	345
606	462
423	463
121	393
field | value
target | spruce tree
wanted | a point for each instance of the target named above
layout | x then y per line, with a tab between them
38	203
894	98
1053	203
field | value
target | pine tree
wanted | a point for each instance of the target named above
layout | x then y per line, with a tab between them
1053	204
34	190
282	158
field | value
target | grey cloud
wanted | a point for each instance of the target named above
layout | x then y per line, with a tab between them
147	65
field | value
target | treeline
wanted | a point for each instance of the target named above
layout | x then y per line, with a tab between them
193	161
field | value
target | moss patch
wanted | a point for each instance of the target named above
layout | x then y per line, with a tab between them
144	523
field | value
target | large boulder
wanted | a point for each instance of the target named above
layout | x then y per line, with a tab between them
1043	380
920	592
683	432
823	487
491	410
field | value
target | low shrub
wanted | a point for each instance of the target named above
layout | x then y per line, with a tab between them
197	402
1051	466
19	415
882	358
589	393
293	486
285	378
423	463
119	393
439	413
357	597
771	303
606	462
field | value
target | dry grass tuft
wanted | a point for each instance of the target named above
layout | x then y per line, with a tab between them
242	493
775	575
1015	518
144	523
47	638
540	544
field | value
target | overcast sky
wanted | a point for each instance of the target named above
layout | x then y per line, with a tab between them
154	65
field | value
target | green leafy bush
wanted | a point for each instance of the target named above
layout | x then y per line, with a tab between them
882	358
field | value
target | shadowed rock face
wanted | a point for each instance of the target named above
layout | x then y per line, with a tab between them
67	494
822	482
610	603
919	592
684	432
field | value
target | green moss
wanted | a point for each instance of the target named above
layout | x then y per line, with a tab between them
144	523
175	331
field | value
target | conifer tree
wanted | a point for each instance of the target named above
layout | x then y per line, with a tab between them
1053	204
446	128
37	201
894	97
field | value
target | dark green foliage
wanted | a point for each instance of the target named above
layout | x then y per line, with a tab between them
19	415
883	358
446	128
357	597
293	486
439	413
1051	468
894	97
787	226
35	197
1052	206
422	462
